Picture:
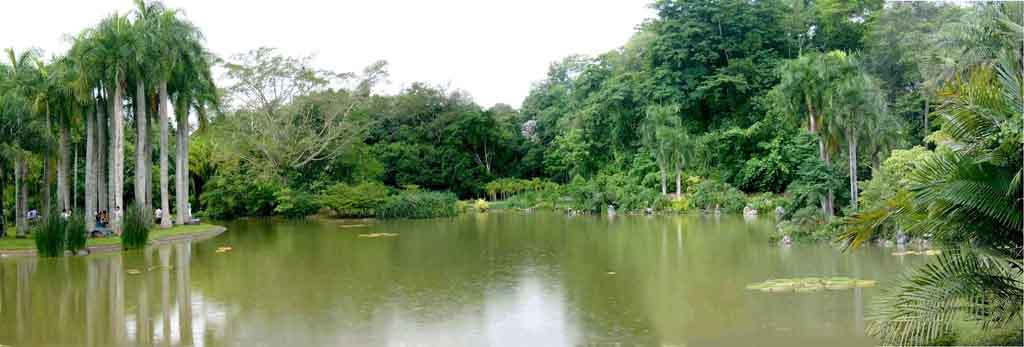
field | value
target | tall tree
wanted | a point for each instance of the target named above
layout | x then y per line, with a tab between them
856	103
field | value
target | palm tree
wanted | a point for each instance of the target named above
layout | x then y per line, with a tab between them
803	90
115	41
192	87
143	67
656	127
856	103
21	131
968	191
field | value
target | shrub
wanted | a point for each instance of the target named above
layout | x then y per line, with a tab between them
361	200
618	189
295	203
766	202
135	227
417	204
711	193
50	235
75	233
481	205
231	193
679	204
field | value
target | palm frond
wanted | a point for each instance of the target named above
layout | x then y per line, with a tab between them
958	285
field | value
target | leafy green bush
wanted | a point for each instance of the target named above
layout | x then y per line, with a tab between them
711	193
680	203
232	194
767	202
295	203
50	235
618	189
361	200
481	205
419	205
135	227
75	233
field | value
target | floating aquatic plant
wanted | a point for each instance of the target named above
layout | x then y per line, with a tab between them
378	235
928	252
809	284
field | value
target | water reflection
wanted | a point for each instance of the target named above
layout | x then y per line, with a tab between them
97	300
486	279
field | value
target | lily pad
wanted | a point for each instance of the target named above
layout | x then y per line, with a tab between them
372	235
809	284
932	252
223	249
132	272
864	283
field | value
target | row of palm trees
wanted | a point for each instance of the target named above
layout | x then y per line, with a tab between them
152	51
842	104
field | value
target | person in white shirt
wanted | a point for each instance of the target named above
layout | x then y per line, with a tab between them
158	214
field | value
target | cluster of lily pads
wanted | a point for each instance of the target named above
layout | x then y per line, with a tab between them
927	252
809	284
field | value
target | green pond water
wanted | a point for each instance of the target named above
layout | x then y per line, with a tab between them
495	279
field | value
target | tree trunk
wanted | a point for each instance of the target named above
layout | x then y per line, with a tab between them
90	168
679	183
140	144
812	124
20	194
165	204
3	211
852	153
118	162
664	183
74	181
181	170
64	169
47	180
830	198
148	155
102	203
925	118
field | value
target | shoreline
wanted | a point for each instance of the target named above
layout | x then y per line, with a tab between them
208	231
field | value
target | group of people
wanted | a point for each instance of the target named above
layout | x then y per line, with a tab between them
102	217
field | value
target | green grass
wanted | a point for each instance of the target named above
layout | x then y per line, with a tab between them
9	242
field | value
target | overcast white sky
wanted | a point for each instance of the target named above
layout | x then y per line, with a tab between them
493	49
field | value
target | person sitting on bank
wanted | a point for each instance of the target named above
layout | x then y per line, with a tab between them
158	214
65	214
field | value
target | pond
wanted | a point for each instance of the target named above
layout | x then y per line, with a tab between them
494	279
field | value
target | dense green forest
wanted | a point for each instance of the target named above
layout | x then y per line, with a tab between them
858	120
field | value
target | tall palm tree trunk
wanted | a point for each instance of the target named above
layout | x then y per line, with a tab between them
148	156
46	194
664	181
812	124
48	172
140	144
181	170
118	162
74	181
21	194
103	204
64	169
851	143
925	118
830	196
3	222
90	168
679	183
165	204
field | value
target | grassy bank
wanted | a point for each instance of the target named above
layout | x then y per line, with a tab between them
10	242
